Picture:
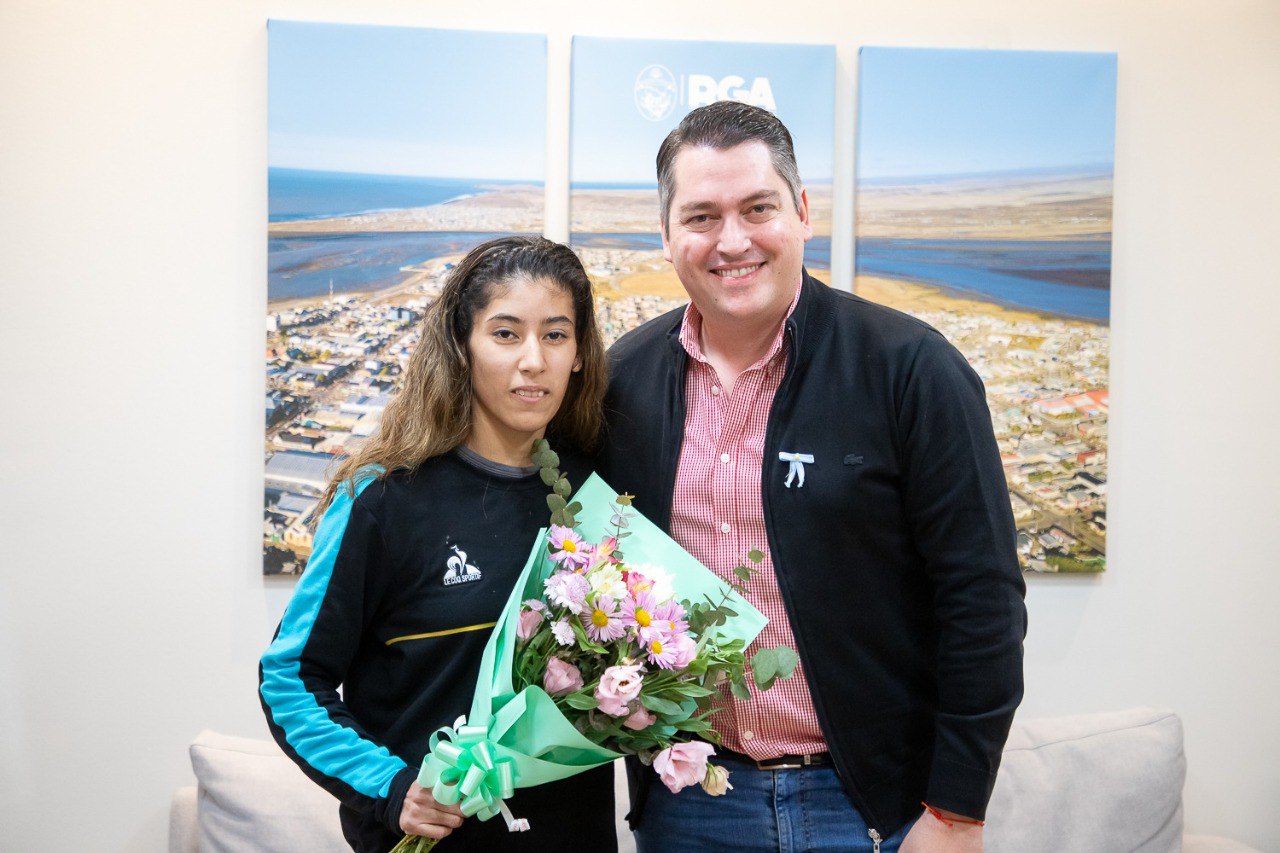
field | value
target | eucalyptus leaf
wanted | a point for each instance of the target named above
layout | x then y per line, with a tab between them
786	661
556	503
548	476
574	507
755	555
562	487
764	664
740	691
743	573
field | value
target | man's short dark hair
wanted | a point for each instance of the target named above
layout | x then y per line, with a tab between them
724	125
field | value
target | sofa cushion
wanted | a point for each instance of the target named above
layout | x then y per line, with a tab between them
251	797
1090	782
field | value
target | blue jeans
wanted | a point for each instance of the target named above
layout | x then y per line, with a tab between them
778	811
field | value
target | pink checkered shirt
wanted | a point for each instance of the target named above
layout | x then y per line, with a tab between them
716	514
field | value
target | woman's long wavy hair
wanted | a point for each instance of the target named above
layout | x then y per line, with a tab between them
431	413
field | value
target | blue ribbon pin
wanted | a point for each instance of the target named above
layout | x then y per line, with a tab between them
798	461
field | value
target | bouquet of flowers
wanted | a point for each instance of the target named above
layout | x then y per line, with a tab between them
600	654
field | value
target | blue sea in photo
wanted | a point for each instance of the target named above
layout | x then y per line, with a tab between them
305	265
294	194
817	252
1064	278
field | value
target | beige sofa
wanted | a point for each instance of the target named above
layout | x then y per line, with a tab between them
1098	783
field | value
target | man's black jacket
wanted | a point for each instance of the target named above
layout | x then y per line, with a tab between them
896	558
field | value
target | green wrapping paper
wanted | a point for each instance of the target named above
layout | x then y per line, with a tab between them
517	740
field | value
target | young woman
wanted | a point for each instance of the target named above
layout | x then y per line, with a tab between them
423	534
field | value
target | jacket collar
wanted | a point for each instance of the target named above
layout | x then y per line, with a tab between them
812	292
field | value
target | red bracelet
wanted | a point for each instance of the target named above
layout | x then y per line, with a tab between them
951	821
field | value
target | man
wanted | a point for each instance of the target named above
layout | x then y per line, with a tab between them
852	445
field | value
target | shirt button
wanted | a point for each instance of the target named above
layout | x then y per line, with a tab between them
724	457
724	527
748	735
715	390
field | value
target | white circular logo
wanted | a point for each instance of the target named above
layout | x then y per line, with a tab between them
655	92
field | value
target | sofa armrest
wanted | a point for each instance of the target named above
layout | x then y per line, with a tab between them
1213	844
183	833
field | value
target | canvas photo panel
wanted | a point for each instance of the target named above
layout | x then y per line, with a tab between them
392	152
983	206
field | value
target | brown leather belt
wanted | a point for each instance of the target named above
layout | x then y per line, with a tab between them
781	762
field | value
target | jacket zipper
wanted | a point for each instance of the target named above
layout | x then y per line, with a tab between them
769	452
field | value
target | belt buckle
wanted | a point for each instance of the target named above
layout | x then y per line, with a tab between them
806	762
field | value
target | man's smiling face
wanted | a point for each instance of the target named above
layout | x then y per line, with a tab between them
735	235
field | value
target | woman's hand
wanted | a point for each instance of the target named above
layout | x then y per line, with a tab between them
422	815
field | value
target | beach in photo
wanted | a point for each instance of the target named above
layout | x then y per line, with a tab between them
983	207
383	170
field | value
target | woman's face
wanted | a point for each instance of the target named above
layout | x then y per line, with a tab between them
523	349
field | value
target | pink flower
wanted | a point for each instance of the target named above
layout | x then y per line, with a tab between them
685	650
561	677
636	582
568	548
618	686
603	621
606	548
641	718
661	651
683	764
669	616
568	589
637	612
527	624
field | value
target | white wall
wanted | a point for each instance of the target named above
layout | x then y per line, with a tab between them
132	256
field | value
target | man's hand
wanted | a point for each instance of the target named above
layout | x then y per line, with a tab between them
930	835
422	815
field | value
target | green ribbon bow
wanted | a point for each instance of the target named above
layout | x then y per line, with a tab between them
463	767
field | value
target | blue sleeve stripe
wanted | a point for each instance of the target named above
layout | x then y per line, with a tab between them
327	746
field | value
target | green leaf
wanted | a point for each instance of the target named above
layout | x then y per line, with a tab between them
540	445
659	705
728	612
755	555
557	517
787	660
555	503
764	664
581	701
548	476
743	573
623	500
569	519
693	691
739	689
693	726
574	507
562	487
